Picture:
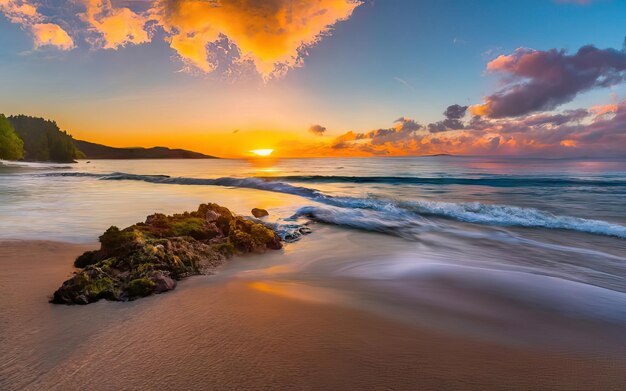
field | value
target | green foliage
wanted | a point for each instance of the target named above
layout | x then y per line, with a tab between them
11	146
43	140
140	287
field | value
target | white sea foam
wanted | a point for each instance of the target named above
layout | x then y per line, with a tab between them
407	212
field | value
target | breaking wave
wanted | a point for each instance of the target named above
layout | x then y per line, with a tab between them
389	213
492	181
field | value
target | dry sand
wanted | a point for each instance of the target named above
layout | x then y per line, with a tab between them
216	334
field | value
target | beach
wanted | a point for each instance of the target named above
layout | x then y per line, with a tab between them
221	333
433	273
312	195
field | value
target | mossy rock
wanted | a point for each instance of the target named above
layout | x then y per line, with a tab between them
88	258
115	241
84	288
140	287
194	227
242	241
100	288
226	248
263	236
170	247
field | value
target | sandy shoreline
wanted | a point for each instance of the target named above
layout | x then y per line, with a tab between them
224	334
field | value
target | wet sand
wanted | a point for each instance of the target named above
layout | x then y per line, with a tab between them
218	333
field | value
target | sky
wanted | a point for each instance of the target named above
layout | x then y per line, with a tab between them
323	77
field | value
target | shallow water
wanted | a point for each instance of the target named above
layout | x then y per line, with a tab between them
472	244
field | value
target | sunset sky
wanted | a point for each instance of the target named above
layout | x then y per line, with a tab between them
323	77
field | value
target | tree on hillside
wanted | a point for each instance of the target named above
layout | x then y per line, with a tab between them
11	146
44	141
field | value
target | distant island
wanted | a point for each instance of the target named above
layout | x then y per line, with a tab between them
98	151
37	139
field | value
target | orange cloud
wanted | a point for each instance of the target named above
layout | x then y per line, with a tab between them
44	34
19	12
565	133
604	109
569	143
53	35
501	62
479	110
271	34
116	26
270	37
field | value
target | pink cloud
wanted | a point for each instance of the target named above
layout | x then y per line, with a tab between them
542	80
568	133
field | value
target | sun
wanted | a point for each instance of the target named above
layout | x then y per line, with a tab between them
262	152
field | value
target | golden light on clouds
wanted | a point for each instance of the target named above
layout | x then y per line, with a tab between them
20	12
569	143
270	34
52	35
44	34
116	26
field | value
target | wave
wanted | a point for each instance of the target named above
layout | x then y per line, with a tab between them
393	222
492	181
392	212
506	215
33	165
247	183
410	226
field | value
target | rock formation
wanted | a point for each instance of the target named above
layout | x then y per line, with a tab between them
150	257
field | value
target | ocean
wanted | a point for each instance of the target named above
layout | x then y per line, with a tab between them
519	250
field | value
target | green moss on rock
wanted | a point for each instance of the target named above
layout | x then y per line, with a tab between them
88	258
86	287
227	249
192	226
140	287
115	240
163	249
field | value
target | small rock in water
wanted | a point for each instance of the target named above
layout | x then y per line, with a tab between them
258	213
